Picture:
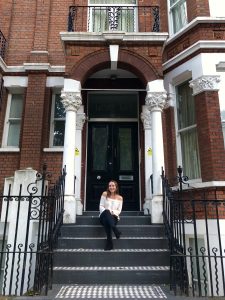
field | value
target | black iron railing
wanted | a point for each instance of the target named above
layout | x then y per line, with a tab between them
194	221
114	18
28	238
2	45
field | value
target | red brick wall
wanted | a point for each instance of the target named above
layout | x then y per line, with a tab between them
197	8
210	137
169	137
31	141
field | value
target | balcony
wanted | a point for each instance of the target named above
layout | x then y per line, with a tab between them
2	45
113	18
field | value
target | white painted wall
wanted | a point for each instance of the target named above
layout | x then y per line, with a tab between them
217	8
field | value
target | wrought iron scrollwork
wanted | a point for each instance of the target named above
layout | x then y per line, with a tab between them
156	25
71	18
113	15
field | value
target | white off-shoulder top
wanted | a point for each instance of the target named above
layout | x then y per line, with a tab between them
113	205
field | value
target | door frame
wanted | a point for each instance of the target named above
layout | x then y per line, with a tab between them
114	120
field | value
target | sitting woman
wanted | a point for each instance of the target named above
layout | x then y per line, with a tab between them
110	208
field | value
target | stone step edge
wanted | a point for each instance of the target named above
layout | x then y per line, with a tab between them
121	238
113	250
117	268
97	226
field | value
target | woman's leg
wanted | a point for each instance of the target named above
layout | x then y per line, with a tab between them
109	223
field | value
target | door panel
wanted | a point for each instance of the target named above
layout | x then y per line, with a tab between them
113	154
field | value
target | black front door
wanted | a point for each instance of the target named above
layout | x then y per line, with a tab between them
113	154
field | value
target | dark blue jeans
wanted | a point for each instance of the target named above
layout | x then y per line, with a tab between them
109	222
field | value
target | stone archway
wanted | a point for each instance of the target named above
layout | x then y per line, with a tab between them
127	60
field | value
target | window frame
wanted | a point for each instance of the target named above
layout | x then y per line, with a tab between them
180	130
7	121
90	15
171	15
52	122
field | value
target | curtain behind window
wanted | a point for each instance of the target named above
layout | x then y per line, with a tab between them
112	2
179	14
105	18
187	131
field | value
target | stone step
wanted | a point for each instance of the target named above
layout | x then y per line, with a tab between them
123	242
72	230
123	213
111	275
124	220
116	257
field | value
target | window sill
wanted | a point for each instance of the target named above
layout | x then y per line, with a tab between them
53	149
8	149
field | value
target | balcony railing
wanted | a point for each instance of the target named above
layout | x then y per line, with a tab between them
2	45
114	18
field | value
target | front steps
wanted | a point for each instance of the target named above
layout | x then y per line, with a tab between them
140	256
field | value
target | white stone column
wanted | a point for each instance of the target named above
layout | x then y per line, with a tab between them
71	99
147	124
156	101
78	155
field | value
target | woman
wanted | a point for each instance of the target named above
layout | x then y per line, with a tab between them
110	208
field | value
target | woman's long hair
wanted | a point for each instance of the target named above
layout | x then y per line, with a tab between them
117	188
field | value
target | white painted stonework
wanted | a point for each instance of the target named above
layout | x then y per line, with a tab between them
71	99
81	117
147	124
24	178
155	102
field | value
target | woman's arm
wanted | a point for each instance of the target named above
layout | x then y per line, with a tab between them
102	202
118	209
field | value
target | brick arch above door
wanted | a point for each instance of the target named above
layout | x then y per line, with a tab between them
127	60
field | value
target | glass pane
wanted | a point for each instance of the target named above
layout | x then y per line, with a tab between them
179	14
14	133
16	107
125	149
112	2
99	148
185	106
223	127
113	18
59	128
59	109
190	154
112	106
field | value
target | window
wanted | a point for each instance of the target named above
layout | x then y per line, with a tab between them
58	122
107	15
11	136
187	131
223	124
178	14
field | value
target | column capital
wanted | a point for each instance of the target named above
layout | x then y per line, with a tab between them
81	118
146	118
205	83
71	100
156	101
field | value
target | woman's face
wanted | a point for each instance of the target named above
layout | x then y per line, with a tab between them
112	187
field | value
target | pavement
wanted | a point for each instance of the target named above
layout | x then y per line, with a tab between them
119	292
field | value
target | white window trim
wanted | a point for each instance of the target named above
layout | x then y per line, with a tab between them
178	131
51	137
89	19
170	17
5	147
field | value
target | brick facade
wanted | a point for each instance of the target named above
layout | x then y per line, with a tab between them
32	29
